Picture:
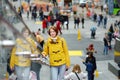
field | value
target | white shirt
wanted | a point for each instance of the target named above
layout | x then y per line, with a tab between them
72	76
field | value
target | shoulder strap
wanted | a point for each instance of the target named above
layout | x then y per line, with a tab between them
77	76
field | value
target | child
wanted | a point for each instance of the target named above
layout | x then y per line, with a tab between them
76	74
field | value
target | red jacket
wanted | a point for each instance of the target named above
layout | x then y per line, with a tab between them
44	24
58	25
49	18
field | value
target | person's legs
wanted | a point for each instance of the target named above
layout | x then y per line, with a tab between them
26	73
93	35
89	75
92	75
74	25
22	72
82	25
43	31
78	25
105	50
61	71
67	26
98	23
18	71
36	67
54	73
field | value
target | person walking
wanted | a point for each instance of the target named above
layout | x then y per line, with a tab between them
58	25
105	21
36	66
93	32
82	22
56	48
44	25
106	44
20	55
66	18
91	66
76	22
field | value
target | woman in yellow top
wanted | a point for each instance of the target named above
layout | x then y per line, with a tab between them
20	60
56	48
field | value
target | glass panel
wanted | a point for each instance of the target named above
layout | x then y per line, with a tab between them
11	25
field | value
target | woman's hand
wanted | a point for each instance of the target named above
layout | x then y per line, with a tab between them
43	54
12	69
67	67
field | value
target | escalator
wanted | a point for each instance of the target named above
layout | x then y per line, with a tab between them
10	29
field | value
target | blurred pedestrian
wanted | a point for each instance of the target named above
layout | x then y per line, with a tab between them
105	21
101	7
93	32
36	66
58	25
20	55
76	22
106	44
82	20
44	25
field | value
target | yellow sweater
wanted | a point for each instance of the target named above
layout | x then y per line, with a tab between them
58	52
22	60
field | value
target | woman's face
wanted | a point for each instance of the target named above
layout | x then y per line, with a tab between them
52	33
26	33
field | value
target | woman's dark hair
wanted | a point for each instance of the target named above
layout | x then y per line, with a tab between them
90	54
54	28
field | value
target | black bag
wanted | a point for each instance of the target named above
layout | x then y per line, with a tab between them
77	76
117	45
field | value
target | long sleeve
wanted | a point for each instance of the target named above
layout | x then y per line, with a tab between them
12	59
65	48
69	76
46	48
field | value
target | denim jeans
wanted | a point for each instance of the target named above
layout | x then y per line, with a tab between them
90	75
22	72
57	72
105	50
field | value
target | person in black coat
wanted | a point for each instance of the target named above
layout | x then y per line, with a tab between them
66	19
76	22
82	20
90	63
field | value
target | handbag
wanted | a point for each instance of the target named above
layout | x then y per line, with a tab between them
96	73
77	76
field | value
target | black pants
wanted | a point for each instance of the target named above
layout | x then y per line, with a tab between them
36	67
93	34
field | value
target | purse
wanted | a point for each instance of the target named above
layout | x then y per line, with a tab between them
77	76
